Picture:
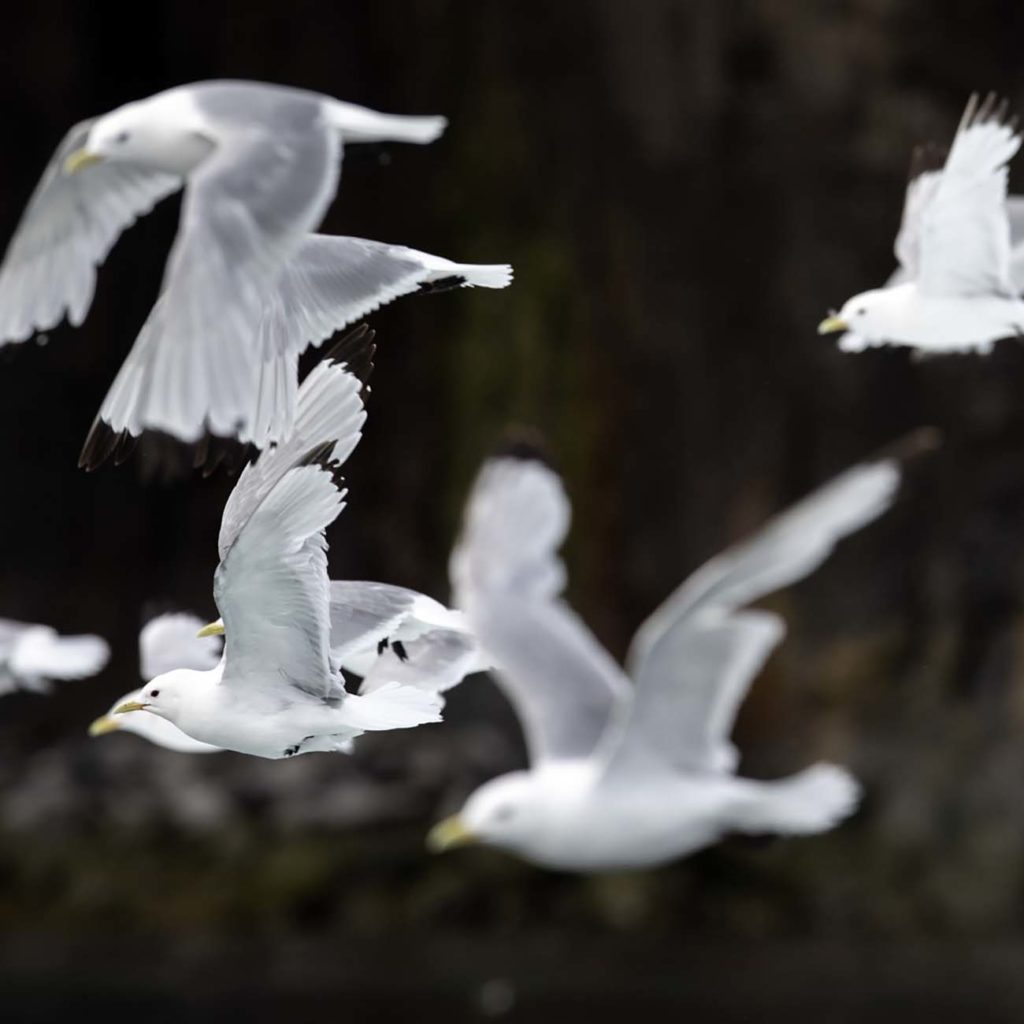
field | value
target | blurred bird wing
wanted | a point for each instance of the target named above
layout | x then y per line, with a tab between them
694	658
329	409
41	653
925	174
436	661
1015	211
169	641
964	247
272	589
10	630
196	363
332	281
70	224
564	686
363	616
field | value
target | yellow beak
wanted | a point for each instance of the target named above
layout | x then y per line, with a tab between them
832	324
130	705
104	725
448	834
212	629
80	158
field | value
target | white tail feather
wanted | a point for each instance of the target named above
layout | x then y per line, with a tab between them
393	706
360	124
814	800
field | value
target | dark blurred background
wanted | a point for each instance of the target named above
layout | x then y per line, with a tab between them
684	188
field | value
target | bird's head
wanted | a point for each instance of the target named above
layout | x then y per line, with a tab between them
147	133
162	696
503	812
869	315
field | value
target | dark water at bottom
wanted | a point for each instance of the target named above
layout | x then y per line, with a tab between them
522	979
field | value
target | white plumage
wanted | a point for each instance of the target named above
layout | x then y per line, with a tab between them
166	642
33	656
631	773
247	286
956	289
278	691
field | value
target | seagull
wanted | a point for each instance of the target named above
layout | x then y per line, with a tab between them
32	656
381	632
956	289
278	691
166	642
260	165
389	634
631	775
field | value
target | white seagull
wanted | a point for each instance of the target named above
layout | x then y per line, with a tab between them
956	289
278	690
247	287
33	656
166	642
630	775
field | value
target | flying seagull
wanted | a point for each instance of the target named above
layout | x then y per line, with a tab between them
166	642
278	691
33	656
260	165
381	632
958	286
631	775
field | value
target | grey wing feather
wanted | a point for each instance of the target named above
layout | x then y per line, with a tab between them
332	281
196	363
694	658
1015	211
70	224
363	615
329	408
965	233
272	589
920	192
329	283
565	687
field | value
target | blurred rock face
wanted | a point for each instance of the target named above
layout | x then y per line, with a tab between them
684	189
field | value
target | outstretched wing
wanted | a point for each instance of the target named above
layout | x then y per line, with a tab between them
196	364
70	224
963	232
925	174
695	657
329	409
332	281
170	641
272	590
507	578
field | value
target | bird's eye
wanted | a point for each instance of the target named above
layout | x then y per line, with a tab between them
122	137
154	693
861	311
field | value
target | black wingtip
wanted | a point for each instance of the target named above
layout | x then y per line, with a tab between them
100	444
161	456
525	444
355	351
323	455
442	284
